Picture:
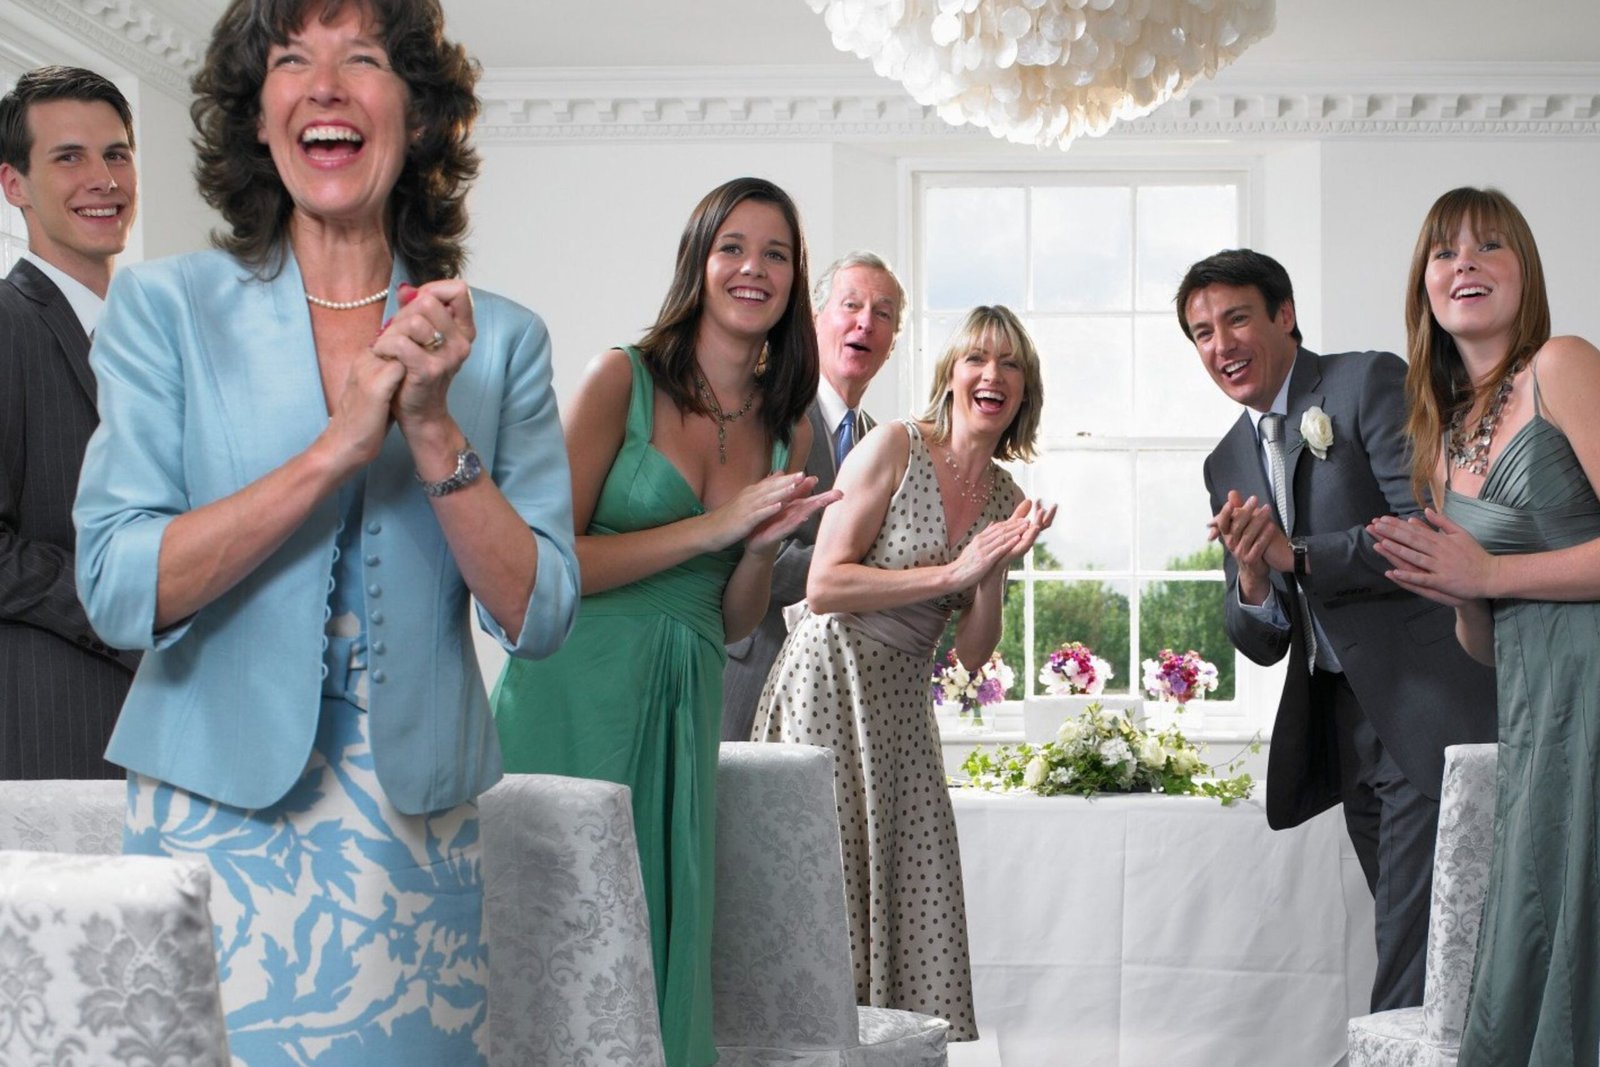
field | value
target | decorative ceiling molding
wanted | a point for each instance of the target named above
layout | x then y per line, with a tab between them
137	34
809	103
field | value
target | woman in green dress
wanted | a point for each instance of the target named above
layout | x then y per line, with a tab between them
1507	446
686	455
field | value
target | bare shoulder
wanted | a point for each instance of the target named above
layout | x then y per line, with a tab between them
1569	359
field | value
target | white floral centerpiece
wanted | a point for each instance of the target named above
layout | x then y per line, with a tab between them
971	691
1105	753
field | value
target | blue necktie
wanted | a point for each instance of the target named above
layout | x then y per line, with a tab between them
844	438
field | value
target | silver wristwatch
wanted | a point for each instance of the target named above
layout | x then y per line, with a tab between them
468	467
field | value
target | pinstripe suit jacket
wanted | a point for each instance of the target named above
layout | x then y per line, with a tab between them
60	685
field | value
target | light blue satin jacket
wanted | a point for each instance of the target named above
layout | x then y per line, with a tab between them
208	380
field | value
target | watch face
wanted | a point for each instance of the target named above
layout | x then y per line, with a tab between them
471	466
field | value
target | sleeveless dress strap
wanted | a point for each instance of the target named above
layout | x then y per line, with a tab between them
642	400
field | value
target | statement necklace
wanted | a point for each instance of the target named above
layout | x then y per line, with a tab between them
709	398
969	490
349	305
1472	454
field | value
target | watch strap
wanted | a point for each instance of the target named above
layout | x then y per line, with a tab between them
468	467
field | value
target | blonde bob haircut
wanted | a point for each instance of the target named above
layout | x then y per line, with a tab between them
1437	385
983	330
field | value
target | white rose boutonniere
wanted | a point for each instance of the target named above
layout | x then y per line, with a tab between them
1317	430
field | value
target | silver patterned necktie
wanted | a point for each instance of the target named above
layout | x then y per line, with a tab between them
1271	427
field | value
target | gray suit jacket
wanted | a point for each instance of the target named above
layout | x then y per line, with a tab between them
1399	653
750	659
60	685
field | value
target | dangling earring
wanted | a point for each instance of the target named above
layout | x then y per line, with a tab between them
762	359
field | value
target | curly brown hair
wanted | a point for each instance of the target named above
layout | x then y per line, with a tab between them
788	383
427	217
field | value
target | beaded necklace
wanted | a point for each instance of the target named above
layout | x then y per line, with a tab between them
969	490
722	417
349	305
1472	453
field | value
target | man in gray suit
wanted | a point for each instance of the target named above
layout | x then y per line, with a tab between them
859	303
66	160
1376	685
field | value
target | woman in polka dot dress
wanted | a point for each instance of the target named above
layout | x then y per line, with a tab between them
928	526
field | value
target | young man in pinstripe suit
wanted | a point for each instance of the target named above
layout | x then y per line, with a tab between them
66	161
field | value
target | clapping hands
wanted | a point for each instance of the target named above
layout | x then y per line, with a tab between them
1434	557
992	550
766	512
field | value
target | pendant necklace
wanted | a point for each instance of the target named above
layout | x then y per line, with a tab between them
709	398
1472	454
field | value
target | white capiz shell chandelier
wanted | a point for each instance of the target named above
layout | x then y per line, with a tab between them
1046	71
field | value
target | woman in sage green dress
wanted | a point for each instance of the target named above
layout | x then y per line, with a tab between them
1505	437
686	453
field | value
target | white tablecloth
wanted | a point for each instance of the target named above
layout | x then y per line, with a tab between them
1136	930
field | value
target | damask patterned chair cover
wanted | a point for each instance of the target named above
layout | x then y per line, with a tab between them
1430	1036
84	818
781	980
107	960
570	973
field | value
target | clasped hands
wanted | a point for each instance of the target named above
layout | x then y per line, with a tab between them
1250	533
1434	557
991	551
404	376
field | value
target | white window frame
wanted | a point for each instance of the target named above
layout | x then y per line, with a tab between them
1256	688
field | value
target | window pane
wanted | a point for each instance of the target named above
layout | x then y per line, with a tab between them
1087	362
1181	615
1173	510
1094	525
1095	613
976	248
1179	224
1082	252
1174	396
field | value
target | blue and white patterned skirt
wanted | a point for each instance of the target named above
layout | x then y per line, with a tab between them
347	933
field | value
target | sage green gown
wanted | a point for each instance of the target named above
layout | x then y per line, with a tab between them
635	696
1536	984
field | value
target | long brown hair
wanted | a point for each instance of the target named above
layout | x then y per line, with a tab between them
984	327
427	217
1437	385
788	382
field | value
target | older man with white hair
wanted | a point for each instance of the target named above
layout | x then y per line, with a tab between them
859	305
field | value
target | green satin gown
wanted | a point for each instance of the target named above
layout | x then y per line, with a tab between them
635	696
1536	985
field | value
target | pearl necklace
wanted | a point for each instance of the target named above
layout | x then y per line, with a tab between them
349	305
969	491
722	417
1472	454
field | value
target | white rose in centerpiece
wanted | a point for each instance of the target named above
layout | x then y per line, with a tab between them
1317	429
1151	754
1038	770
1068	734
1185	761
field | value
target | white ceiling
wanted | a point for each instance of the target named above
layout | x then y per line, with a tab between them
751	33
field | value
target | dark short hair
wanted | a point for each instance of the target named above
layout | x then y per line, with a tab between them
427	218
788	379
42	85
1239	267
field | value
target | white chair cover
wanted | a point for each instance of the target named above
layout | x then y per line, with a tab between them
1430	1036
782	986
84	818
107	960
570	973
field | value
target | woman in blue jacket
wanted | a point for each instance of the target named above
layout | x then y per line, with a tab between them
316	444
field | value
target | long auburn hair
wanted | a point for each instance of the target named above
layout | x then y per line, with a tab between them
788	381
982	328
1437	385
427	217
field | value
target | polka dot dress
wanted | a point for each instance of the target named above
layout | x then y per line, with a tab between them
836	686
